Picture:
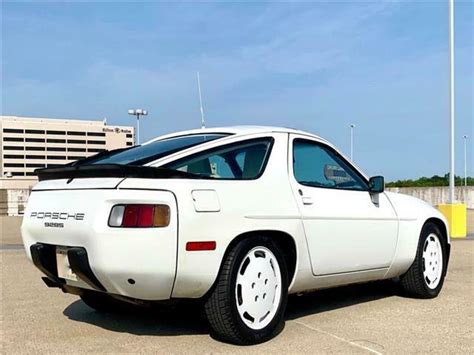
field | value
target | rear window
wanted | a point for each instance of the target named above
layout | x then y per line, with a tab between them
149	152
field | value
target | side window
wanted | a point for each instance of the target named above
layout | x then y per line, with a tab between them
240	161
318	166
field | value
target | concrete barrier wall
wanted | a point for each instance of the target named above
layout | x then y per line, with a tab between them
13	201
438	195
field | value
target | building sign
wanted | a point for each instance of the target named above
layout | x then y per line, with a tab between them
116	130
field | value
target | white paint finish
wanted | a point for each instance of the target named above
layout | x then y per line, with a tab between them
350	232
75	184
147	255
239	131
361	243
237	199
412	213
205	201
346	226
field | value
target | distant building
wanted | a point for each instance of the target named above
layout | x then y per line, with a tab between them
28	143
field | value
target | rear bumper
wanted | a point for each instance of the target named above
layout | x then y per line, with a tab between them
135	281
44	258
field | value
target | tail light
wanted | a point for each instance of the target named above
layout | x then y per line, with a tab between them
139	216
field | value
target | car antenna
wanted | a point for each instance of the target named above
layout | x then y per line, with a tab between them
203	124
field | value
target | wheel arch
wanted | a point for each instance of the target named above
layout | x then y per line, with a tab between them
285	241
444	230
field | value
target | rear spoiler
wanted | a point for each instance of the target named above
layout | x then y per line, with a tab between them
111	170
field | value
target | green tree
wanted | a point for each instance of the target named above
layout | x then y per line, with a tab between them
435	180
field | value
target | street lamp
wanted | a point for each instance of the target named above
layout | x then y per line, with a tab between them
451	101
454	212
465	159
352	141
138	112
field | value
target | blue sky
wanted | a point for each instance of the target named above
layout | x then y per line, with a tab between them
315	66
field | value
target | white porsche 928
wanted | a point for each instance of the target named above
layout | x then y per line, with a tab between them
235	217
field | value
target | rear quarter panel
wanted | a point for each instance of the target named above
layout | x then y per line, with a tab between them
266	203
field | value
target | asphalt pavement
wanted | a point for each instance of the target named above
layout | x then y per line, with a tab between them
366	318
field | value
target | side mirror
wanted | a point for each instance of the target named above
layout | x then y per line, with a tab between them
376	184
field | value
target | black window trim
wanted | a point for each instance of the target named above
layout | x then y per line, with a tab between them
268	139
337	154
35	140
55	149
95	134
76	133
76	141
13	156
56	132
56	140
13	130
96	142
34	131
13	147
13	139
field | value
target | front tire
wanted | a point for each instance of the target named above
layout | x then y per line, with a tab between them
248	302
425	277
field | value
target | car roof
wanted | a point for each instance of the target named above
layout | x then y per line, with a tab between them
237	130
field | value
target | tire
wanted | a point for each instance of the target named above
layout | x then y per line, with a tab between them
425	277
248	302
103	303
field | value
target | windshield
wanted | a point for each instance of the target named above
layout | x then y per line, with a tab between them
149	152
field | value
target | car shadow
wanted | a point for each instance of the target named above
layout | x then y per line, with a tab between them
184	320
334	298
187	319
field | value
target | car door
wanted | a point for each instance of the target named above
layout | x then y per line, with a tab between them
347	228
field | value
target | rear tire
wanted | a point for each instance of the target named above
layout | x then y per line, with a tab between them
103	302
425	277
248	302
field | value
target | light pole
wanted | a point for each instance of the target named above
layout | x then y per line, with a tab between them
138	112
352	141
451	101
465	159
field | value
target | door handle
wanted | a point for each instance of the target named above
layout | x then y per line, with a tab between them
307	200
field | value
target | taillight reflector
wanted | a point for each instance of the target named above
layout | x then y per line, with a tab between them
196	246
